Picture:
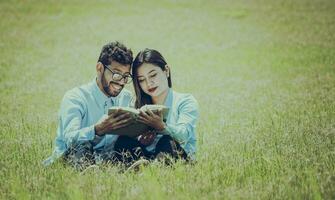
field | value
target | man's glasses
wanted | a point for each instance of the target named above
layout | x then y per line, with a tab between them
116	76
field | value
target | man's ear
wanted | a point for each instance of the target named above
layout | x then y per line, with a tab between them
99	69
167	71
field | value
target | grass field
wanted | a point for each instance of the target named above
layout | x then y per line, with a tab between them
263	73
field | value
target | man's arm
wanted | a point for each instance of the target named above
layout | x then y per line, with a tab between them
71	114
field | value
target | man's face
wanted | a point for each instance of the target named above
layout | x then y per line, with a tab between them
111	86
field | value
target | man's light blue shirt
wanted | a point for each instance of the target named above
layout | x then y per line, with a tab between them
181	121
81	108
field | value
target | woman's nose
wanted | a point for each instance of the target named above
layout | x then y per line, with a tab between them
150	83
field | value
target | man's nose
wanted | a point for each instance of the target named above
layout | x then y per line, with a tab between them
120	82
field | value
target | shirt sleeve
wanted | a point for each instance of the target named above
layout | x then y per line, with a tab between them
70	121
185	126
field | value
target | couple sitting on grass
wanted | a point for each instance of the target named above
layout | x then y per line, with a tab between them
82	138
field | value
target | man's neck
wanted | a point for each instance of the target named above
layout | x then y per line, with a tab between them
101	88
161	98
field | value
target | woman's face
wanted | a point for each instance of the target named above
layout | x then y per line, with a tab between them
152	79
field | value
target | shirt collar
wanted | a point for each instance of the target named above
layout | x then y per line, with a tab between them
99	95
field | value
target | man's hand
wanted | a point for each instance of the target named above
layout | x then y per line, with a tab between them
147	138
114	121
154	120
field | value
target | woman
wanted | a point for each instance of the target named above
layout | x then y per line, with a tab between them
152	83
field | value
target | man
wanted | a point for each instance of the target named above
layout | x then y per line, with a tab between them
81	135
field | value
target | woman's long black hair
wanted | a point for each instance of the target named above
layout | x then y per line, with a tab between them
153	57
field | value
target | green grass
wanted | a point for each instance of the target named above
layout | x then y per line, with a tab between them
263	73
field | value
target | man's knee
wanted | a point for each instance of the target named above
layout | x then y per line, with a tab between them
79	155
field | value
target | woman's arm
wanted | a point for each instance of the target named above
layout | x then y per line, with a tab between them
186	123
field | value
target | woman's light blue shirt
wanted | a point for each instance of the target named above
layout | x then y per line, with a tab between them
181	121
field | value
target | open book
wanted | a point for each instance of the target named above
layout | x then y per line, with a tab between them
135	128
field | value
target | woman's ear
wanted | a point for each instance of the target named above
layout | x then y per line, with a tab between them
167	71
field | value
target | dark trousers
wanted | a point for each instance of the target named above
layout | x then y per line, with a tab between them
167	147
82	155
130	149
126	151
79	155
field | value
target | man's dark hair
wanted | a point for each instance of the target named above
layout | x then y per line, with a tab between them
115	51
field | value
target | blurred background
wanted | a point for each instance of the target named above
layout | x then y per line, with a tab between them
262	72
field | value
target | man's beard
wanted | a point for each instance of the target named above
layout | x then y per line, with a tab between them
106	87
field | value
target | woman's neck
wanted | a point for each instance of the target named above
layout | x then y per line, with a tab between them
161	98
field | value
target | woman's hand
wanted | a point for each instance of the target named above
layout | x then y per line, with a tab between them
147	138
154	120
